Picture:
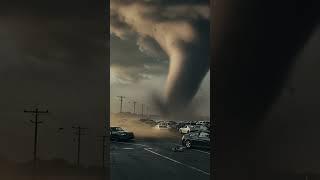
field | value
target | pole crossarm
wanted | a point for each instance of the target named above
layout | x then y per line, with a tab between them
35	122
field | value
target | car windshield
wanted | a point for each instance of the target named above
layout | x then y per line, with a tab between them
116	129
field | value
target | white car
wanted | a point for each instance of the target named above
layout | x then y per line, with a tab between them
162	126
186	129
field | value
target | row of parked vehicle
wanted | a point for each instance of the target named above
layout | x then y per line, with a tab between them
196	134
193	139
184	127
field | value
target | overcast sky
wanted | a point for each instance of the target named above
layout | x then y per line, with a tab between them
52	54
140	63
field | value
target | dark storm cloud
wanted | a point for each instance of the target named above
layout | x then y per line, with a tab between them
180	30
53	54
129	65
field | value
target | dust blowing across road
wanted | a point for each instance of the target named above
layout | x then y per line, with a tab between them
154	154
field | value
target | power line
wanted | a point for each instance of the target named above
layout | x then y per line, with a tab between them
121	100
36	112
79	133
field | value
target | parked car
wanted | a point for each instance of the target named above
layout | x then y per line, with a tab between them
200	123
200	128
191	123
149	122
162	126
172	124
119	134
186	129
200	139
180	125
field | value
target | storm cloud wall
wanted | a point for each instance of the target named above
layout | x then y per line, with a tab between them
180	29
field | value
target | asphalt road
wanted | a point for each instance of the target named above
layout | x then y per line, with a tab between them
155	160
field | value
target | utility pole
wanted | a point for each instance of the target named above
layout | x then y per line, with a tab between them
121	100
103	149
79	133
134	107
142	105
36	112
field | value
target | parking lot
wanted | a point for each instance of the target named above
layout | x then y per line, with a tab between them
155	159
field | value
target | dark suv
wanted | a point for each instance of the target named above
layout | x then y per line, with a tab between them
118	134
200	139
